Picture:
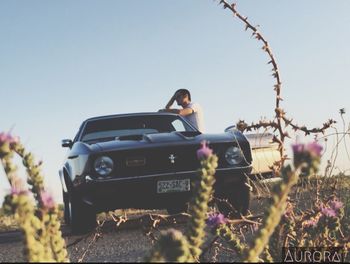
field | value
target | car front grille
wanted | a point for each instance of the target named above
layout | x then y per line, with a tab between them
155	161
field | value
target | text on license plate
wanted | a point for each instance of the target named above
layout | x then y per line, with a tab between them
173	186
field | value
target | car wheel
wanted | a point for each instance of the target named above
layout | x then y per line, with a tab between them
66	208
177	209
82	218
237	195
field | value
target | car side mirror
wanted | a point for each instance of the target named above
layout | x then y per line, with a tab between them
230	128
67	143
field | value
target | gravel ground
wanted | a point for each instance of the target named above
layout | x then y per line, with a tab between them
118	246
127	246
123	245
133	243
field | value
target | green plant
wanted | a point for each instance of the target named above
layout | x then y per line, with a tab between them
327	219
203	190
38	220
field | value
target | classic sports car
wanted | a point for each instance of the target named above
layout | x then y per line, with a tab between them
146	160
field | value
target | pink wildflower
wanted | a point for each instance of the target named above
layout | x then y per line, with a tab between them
17	186
311	222
17	191
336	205
216	219
314	148
308	156
7	137
47	200
204	152
3	137
298	148
328	212
14	140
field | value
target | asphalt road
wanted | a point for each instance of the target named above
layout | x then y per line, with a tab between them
131	241
128	241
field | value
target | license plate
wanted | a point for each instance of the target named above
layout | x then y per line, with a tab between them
173	186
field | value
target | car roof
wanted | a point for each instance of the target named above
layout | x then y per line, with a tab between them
129	114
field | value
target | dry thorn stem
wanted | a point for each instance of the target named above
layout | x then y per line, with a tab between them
97	235
280	115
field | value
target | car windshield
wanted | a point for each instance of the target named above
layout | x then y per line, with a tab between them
117	127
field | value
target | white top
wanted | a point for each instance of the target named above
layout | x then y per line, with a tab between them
196	118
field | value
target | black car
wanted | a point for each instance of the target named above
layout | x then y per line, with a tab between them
146	160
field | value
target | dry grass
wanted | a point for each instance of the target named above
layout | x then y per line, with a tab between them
304	195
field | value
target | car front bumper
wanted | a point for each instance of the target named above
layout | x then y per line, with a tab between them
141	191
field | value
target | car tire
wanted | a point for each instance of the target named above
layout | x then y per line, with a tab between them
177	209
240	197
82	218
66	208
237	195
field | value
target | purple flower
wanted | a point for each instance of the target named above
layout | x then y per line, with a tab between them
328	212
204	152
314	148
47	200
308	156
298	148
14	140
17	191
336	205
311	223
3	137
216	219
17	186
7	137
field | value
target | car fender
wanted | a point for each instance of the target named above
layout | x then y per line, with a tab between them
63	182
66	177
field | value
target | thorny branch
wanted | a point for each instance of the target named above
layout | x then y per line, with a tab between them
280	115
97	235
280	123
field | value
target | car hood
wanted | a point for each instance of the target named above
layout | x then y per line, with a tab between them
167	139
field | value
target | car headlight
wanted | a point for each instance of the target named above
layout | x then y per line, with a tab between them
103	165
233	155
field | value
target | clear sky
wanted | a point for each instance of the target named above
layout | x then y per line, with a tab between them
64	61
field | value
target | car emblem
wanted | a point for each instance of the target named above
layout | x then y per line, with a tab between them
135	162
172	158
